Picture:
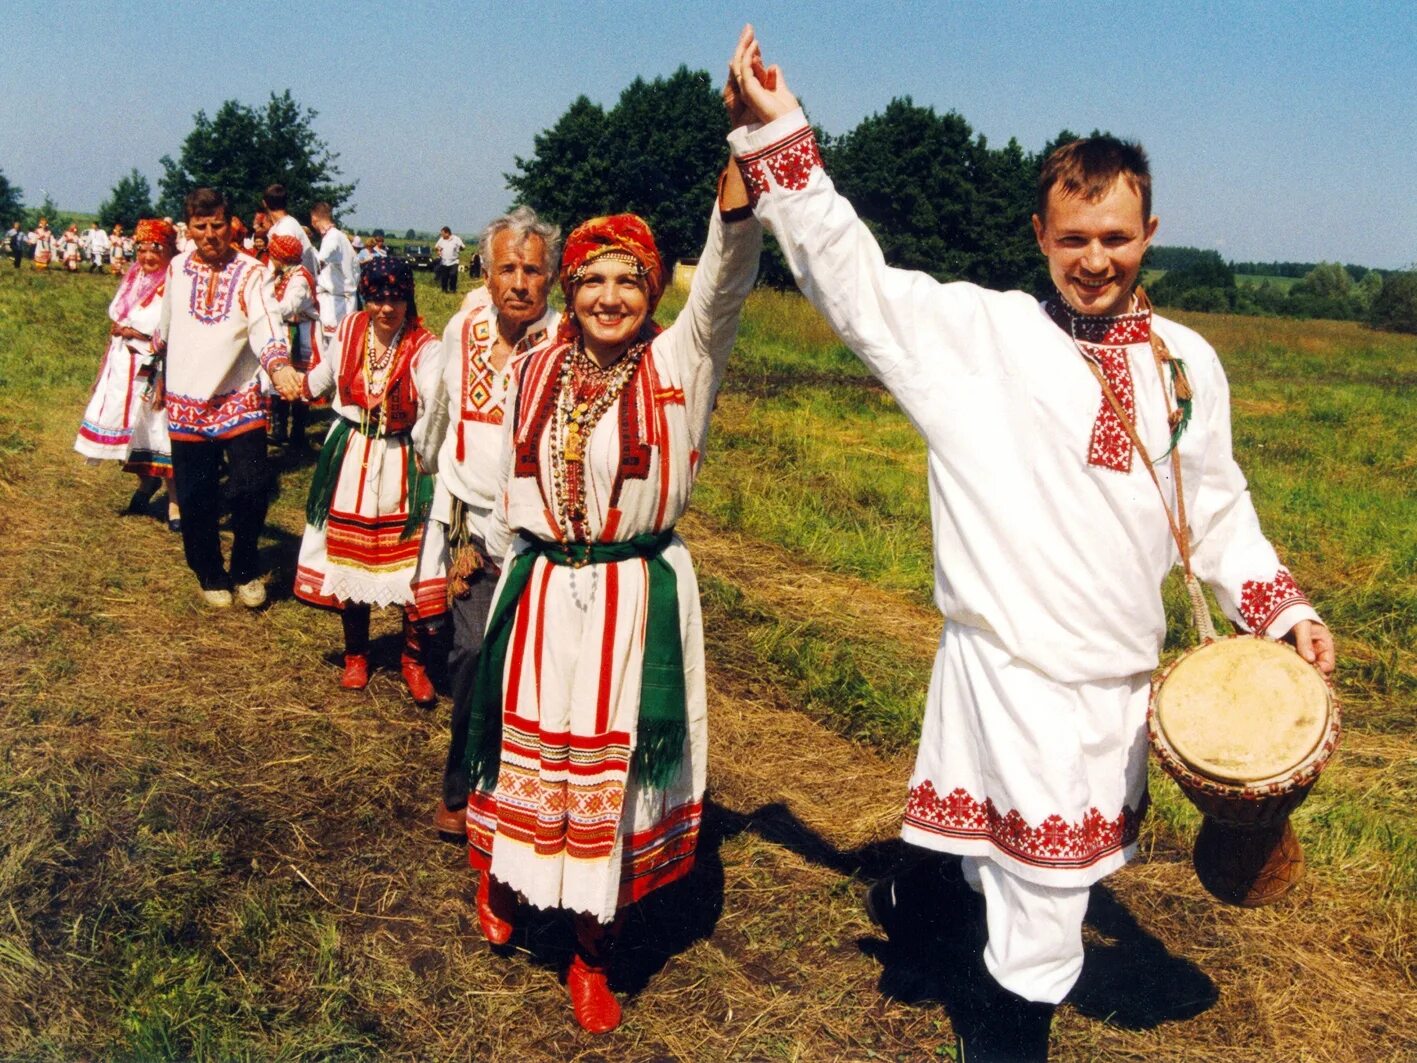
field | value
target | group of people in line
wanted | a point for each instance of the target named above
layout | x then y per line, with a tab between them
69	249
520	478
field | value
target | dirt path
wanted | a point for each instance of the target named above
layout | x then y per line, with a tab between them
209	850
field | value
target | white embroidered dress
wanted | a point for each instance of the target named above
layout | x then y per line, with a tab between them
361	553
120	417
569	825
1050	540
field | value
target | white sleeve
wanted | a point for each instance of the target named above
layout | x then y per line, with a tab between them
1228	549
265	330
321	379
431	424
702	336
914	333
498	538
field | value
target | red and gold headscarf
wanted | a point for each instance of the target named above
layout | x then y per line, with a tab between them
627	237
284	248
156	231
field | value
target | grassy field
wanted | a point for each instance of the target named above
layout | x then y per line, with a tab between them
209	851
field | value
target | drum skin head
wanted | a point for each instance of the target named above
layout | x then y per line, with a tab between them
1243	710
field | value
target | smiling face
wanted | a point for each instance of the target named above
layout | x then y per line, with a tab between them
152	257
1095	247
516	280
611	304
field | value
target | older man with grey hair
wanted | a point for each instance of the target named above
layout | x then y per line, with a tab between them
487	339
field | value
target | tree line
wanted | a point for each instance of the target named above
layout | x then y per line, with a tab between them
937	195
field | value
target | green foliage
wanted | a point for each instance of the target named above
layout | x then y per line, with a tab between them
131	199
657	153
1205	282
1395	306
938	198
242	149
11	200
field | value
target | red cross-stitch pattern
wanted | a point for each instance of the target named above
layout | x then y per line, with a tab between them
1055	842
1110	448
790	161
1261	602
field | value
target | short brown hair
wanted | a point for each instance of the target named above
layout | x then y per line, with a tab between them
1090	167
203	202
321	210
274	197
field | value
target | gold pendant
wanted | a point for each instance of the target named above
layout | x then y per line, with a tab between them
573	449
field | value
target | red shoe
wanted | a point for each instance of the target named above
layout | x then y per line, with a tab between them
418	683
356	672
495	908
595	1007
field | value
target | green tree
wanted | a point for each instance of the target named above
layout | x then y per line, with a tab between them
1327	280
12	206
131	199
49	211
240	150
1395	307
657	153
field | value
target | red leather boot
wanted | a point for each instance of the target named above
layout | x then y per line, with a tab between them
595	1007
496	905
411	665
355	620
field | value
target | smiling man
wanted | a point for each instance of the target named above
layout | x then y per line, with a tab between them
483	344
1050	539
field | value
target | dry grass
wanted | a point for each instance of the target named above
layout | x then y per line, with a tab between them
209	851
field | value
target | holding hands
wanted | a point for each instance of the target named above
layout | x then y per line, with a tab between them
755	92
288	383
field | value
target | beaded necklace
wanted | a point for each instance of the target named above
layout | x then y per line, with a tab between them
376	374
584	393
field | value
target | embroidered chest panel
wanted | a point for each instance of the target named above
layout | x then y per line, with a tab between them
214	292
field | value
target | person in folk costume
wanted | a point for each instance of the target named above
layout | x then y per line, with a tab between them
1051	542
273	202
484	346
72	249
124	420
117	250
370	496
293	291
587	732
42	240
220	332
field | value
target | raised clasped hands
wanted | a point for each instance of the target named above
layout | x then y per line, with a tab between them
760	90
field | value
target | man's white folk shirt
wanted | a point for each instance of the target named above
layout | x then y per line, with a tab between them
1050	540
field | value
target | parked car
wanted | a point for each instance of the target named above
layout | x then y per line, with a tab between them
419	256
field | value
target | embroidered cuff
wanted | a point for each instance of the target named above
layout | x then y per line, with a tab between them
1262	601
274	356
784	150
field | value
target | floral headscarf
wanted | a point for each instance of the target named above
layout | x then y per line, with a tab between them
388	278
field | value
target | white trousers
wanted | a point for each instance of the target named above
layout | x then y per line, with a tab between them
1035	932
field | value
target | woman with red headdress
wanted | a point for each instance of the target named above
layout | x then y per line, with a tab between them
369	498
125	420
293	292
588	731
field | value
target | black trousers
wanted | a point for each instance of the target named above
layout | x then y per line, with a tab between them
196	470
448	277
469	623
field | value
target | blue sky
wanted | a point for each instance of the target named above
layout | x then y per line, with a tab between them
1277	131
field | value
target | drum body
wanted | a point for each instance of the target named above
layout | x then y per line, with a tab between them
1244	725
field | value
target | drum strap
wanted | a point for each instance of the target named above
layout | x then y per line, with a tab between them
1200	611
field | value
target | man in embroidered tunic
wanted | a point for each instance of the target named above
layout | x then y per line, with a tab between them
219	329
1050	541
483	345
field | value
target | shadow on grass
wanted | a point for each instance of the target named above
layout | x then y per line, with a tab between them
933	951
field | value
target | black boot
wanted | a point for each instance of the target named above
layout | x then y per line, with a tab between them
1006	1028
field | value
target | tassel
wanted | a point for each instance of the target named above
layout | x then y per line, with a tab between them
659	749
466	562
